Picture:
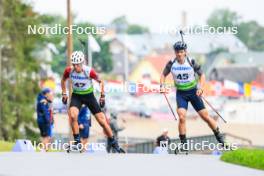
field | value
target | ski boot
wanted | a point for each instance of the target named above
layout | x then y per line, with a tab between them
183	148
221	139
75	147
114	145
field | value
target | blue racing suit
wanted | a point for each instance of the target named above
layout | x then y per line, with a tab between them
84	118
44	115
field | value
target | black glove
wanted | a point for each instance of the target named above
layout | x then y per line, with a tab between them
64	99
162	89
102	101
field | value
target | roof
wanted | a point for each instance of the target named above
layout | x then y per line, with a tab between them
159	61
250	58
151	66
138	44
143	44
235	73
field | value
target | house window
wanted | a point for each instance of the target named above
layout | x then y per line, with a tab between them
146	76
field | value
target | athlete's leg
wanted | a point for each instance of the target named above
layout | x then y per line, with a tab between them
182	104
84	143
198	105
182	127
101	119
94	107
73	113
209	120
45	135
46	142
212	124
182	120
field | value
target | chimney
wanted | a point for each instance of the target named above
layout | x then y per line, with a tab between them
184	19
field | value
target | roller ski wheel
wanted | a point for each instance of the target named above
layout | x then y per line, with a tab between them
115	146
180	150
74	148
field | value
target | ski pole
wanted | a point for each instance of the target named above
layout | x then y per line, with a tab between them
181	32
170	106
209	104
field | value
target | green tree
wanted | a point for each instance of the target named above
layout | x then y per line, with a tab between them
252	34
19	71
59	40
249	32
136	29
223	18
102	61
122	25
19	82
59	61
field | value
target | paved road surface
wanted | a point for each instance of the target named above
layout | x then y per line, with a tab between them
63	164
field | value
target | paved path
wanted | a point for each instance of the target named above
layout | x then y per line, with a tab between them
45	164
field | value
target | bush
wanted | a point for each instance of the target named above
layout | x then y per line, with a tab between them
6	146
253	158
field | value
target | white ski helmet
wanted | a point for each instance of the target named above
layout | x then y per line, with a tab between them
77	57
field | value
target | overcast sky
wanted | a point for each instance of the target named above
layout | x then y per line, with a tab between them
152	14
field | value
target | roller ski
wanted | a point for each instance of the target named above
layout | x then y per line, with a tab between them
181	150
221	139
75	147
113	144
183	147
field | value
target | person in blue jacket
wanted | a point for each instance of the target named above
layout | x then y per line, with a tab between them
44	115
84	121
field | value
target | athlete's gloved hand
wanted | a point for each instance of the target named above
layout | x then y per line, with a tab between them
81	126
162	89
64	98
102	101
199	92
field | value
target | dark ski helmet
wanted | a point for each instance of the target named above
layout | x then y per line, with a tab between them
45	91
179	46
